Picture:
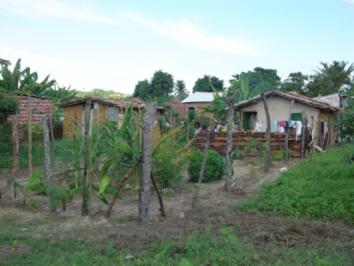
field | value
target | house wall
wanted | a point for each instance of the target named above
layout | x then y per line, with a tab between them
279	111
198	106
40	107
72	120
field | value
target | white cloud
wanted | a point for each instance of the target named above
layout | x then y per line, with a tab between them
54	9
190	34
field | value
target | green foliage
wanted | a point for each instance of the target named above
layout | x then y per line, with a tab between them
208	84
214	168
345	121
321	187
278	155
295	82
161	85
181	91
57	194
253	148
169	157
35	183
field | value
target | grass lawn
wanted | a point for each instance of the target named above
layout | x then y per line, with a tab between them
319	187
220	247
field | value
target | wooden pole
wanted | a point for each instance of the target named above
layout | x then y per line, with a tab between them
48	160
144	195
30	134
268	160
202	167
230	122
303	137
15	153
86	140
288	131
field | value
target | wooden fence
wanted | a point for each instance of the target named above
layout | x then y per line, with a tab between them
241	140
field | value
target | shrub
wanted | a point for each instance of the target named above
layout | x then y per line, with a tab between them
321	187
214	168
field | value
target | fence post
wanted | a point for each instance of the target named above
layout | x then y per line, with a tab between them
85	188
287	132
15	153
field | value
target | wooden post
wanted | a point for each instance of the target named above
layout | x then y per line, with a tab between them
303	138
30	134
268	160
145	183
15	153
86	143
287	133
230	122
202	167
48	160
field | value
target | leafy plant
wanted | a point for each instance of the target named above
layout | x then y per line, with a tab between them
214	169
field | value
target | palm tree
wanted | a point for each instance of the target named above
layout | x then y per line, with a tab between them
337	74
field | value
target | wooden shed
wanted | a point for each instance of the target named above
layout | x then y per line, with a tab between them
102	111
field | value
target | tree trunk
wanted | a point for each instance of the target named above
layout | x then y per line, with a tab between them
230	121
85	187
287	133
48	160
30	134
15	153
268	152
202	167
162	208
144	195
116	193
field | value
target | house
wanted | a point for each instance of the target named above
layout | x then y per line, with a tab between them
197	101
102	111
40	107
317	113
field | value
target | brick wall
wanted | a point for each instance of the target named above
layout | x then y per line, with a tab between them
40	107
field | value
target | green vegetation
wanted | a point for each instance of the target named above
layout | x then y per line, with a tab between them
220	247
320	187
214	168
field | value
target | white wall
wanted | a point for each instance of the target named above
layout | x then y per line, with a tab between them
279	111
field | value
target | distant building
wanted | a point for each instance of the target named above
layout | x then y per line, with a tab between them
102	111
336	99
197	101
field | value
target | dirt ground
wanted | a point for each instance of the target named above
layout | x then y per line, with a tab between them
213	211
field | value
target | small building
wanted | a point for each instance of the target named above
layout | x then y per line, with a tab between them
317	113
103	111
197	101
40	107
336	99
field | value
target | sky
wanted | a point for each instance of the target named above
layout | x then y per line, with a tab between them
112	45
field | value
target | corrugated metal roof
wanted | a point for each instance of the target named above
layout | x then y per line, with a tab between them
198	97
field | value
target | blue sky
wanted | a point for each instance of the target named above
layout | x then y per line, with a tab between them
113	44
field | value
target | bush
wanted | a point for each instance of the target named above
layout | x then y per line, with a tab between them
214	168
321	187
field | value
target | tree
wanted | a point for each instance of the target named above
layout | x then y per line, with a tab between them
268	151
345	121
161	84
181	91
331	78
208	84
142	89
296	82
260	80
4	62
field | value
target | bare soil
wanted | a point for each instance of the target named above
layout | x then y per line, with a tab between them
262	231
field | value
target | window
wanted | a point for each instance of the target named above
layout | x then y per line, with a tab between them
296	116
112	114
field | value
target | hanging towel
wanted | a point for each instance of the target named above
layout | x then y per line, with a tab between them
298	128
286	127
274	126
282	123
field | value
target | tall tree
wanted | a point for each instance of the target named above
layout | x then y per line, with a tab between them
208	84
261	80
296	82
161	84
142	89
181	91
330	78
